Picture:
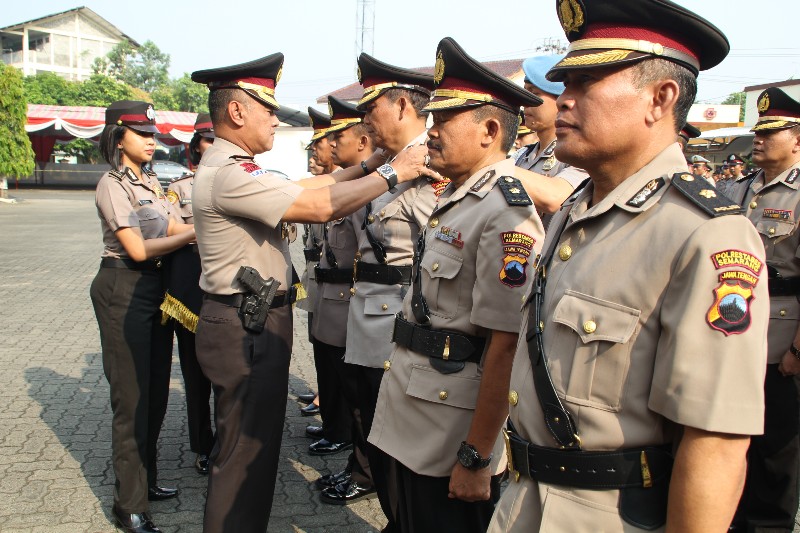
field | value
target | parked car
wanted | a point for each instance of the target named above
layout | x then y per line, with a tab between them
168	171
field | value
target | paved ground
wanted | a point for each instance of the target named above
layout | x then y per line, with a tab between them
55	440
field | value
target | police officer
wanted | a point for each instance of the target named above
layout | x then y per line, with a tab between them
525	139
182	303
241	212
140	229
641	273
392	101
735	167
350	145
772	199
687	132
441	403
551	181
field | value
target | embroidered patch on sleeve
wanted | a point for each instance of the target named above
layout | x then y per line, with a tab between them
730	312
737	258
517	249
777	214
172	196
253	169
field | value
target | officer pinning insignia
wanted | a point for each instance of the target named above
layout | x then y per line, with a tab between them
646	192
697	192
450	236
513	191
517	248
481	182
792	177
172	197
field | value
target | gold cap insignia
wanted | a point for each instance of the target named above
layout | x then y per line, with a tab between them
330	109
358	74
707	193
278	75
763	103
570	14
438	71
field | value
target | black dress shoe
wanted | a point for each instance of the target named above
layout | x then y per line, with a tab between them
155	494
201	464
135	523
345	493
331	480
306	398
326	447
314	432
310	410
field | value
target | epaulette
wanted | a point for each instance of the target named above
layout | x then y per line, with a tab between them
705	196
513	191
116	174
179	178
149	172
237	157
792	177
746	177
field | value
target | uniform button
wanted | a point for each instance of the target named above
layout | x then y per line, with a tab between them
341	295
371	219
383	212
771	231
783	312
753	204
565	252
589	326
434	222
352	291
384	307
513	397
387	365
443	395
435	267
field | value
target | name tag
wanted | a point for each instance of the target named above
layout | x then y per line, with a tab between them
186	202
145	202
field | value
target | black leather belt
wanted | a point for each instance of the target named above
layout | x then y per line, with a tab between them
438	343
312	254
124	262
333	275
640	467
383	274
235	300
784	286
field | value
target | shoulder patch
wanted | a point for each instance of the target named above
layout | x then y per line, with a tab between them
116	174
646	192
481	182
703	195
172	196
513	191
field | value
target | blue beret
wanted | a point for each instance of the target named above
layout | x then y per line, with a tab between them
536	67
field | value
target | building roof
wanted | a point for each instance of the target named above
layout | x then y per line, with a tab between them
88	13
787	83
506	67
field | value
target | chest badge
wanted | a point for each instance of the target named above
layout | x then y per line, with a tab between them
450	236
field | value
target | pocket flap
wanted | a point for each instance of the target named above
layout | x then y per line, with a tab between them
387	211
382	305
594	319
446	389
439	265
337	291
784	308
775	228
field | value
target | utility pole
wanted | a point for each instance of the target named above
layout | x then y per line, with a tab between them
365	26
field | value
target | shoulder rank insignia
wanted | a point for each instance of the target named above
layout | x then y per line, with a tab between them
513	191
150	172
116	174
646	192
792	177
481	182
700	193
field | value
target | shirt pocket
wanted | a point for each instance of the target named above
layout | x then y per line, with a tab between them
380	218
601	347
337	292
381	304
446	389
151	223
341	235
774	231
441	286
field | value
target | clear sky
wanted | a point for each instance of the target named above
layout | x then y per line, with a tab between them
318	37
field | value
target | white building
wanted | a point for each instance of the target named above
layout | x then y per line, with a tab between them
66	43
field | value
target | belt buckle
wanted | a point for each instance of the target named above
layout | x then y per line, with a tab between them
511	470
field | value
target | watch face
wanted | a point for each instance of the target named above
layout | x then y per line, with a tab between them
466	456
386	169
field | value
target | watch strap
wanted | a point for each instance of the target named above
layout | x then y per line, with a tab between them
795	352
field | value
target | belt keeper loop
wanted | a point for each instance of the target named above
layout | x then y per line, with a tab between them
647	480
446	353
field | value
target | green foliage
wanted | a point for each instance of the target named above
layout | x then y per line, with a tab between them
182	94
50	89
738	98
145	68
84	149
100	91
16	153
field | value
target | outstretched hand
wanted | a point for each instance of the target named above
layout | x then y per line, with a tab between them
412	162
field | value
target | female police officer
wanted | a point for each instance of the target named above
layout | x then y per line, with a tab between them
139	227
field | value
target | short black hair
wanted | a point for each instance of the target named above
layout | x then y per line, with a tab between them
651	70
418	100
109	144
218	101
509	123
194	149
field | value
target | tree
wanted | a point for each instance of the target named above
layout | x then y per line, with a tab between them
145	68
49	88
186	96
101	91
736	99
16	152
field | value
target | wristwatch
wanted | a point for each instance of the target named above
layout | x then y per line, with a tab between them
387	172
795	351
470	459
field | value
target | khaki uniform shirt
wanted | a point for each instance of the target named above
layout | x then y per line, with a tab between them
422	416
308	279
635	339
179	194
238	219
332	305
395	221
773	208
125	201
544	162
